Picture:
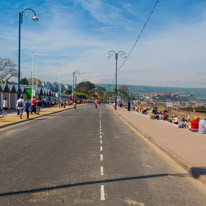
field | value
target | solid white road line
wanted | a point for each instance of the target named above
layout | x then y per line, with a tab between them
101	157
102	193
101	148
101	170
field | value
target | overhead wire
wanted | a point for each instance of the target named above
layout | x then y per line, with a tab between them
142	30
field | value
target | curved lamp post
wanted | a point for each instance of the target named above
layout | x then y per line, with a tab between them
117	54
74	83
34	18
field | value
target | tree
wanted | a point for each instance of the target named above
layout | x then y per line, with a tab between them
35	79
24	81
85	87
124	91
100	90
92	94
7	69
81	95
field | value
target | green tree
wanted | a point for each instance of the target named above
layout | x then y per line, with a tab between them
35	80
24	81
85	87
81	95
124	89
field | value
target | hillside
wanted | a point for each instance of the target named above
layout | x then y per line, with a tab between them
197	92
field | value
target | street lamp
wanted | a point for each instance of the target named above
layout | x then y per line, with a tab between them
74	77
121	54
34	18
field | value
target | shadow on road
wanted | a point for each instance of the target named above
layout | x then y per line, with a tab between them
90	183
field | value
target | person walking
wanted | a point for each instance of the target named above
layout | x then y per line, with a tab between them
5	107
33	105
98	104
20	106
27	108
95	104
38	104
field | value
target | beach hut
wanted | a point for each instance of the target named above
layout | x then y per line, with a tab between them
39	92
45	93
49	95
16	87
13	96
52	96
23	92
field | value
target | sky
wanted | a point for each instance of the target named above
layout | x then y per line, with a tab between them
78	34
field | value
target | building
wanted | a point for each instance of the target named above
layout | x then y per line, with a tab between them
55	86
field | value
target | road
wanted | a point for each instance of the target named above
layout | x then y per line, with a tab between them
88	157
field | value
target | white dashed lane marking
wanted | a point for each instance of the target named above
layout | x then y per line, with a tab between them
101	170
102	193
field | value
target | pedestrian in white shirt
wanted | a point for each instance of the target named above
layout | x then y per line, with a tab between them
20	106
5	107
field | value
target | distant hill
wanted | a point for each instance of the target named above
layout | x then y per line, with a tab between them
196	92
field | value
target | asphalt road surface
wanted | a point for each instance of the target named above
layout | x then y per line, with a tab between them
90	158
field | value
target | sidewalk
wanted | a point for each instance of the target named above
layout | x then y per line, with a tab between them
185	147
13	118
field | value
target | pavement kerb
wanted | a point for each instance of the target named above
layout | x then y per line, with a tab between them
37	117
194	172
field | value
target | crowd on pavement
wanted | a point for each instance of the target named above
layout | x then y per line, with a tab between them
194	125
32	106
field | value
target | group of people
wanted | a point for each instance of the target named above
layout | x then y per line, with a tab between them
32	106
198	125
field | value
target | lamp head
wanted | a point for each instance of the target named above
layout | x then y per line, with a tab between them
124	56
34	18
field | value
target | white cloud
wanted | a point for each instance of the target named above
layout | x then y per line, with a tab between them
172	57
101	11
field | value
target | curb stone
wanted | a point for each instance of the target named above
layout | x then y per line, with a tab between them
193	171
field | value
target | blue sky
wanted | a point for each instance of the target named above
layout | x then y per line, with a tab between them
78	34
